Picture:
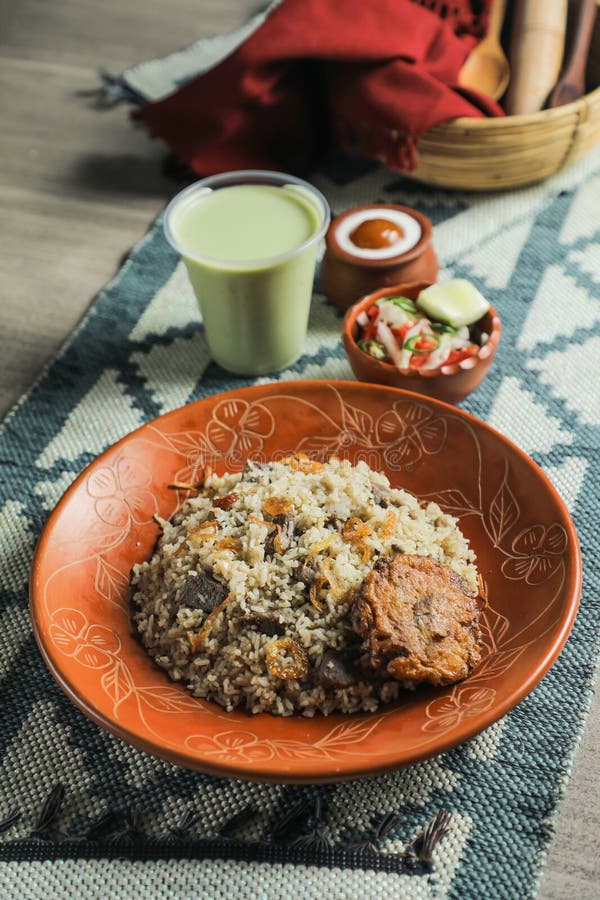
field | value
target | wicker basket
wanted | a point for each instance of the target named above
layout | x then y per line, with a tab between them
491	154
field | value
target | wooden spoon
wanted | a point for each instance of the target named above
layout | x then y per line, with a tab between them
571	84
486	68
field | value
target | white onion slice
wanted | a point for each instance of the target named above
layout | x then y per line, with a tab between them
389	342
405	356
457	343
393	315
362	319
437	356
416	329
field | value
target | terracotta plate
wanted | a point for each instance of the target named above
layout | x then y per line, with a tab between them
525	542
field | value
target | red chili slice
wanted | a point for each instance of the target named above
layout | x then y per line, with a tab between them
425	343
401	331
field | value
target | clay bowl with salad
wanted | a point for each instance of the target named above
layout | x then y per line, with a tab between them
434	339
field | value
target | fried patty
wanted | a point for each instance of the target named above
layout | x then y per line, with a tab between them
418	620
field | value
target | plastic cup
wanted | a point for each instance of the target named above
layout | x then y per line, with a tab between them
255	309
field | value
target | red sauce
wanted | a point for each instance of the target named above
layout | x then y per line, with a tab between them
373	234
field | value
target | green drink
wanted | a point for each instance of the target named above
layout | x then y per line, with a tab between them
249	242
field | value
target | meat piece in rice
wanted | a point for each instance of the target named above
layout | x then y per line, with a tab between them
336	670
266	623
418	620
201	591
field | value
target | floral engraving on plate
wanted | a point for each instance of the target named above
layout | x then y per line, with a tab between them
94	646
537	554
100	648
402	435
408	432
237	428
446	712
110	583
121	497
244	745
121	494
398	438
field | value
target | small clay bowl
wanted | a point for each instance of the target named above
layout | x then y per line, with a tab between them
346	275
450	383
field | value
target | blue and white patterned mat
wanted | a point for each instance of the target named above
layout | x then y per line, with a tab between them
140	352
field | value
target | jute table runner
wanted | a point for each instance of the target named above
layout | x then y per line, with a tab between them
83	810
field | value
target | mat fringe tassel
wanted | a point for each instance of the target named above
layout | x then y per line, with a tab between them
300	831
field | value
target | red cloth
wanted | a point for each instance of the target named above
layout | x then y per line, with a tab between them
373	75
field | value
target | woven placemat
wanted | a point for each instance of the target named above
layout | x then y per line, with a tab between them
71	794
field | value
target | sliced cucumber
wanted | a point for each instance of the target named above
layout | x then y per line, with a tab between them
456	302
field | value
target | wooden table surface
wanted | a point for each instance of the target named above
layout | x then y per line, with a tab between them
79	187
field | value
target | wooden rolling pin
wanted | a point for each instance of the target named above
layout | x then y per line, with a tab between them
536	51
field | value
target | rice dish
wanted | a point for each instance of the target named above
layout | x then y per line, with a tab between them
250	587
